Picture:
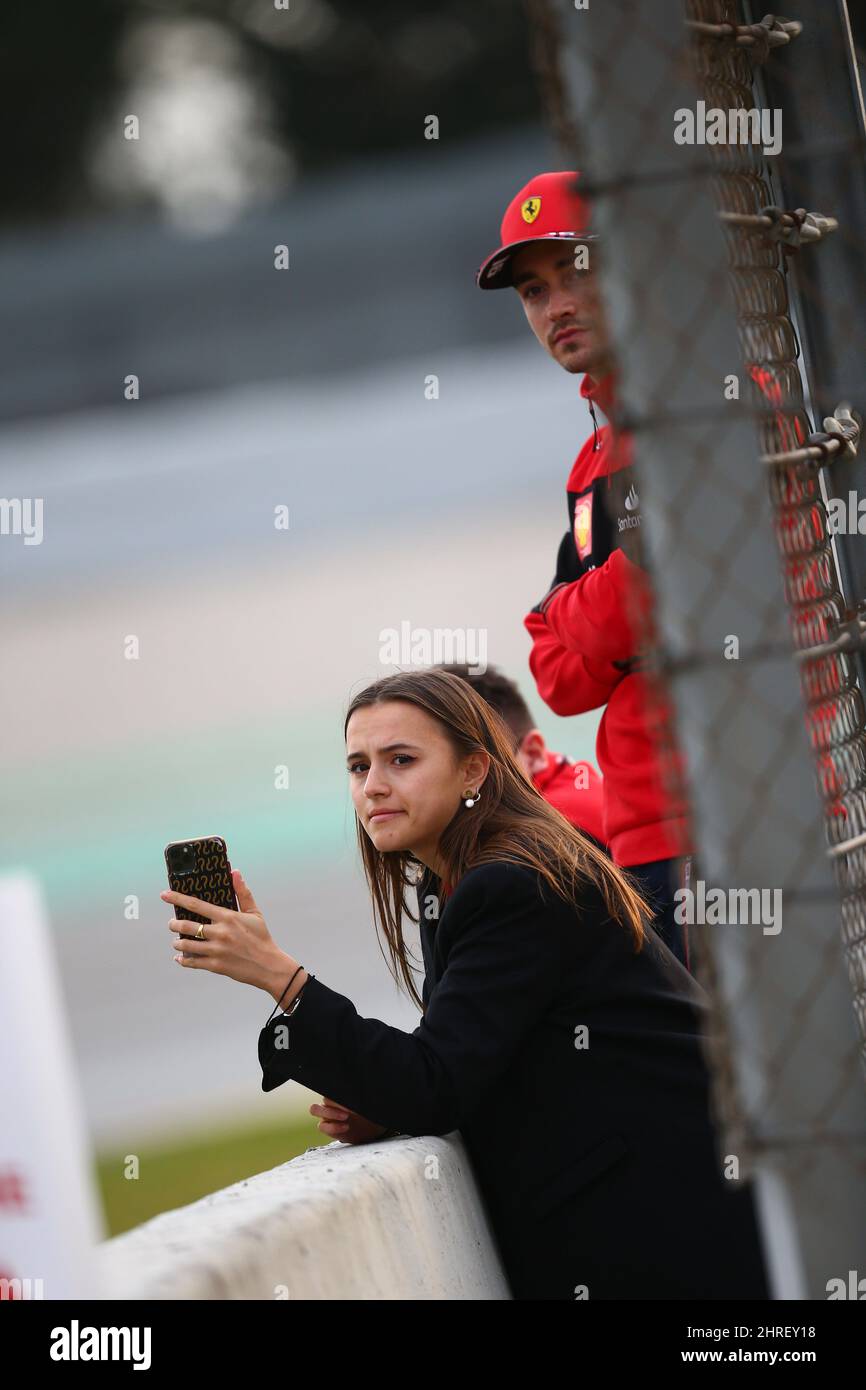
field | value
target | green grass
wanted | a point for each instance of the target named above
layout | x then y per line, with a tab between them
171	1175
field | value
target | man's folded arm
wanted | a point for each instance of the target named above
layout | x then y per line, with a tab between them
567	682
596	615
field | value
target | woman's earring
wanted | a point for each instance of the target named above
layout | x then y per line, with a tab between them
470	800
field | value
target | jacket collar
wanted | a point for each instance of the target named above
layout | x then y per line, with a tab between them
554	763
601	391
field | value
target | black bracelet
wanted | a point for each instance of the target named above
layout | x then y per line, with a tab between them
288	986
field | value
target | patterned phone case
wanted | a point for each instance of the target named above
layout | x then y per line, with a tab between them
210	878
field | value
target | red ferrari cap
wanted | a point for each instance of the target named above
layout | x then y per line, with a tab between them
549	206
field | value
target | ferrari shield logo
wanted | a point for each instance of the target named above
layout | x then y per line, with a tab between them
583	525
530	209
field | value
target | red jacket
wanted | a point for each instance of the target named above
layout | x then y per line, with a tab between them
585	633
575	790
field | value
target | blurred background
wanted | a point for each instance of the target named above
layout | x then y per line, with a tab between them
153	257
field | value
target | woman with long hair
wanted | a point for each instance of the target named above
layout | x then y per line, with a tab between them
560	1036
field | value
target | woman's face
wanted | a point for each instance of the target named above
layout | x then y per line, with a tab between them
406	780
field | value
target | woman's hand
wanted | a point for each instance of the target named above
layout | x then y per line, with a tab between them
346	1125
237	944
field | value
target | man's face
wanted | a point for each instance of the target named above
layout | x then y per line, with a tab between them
563	306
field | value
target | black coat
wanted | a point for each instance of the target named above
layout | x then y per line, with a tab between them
594	1150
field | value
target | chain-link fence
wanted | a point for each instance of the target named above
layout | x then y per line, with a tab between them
702	140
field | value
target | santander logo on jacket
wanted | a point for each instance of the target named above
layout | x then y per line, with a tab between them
586	633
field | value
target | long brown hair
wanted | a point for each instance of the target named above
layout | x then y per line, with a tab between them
511	822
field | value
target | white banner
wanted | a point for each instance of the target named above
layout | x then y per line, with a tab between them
50	1212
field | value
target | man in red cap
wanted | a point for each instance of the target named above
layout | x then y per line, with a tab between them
586	630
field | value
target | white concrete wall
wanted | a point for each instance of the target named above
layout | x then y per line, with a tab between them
398	1219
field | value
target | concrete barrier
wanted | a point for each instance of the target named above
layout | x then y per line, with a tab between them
397	1219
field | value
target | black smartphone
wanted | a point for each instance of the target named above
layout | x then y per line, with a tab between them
200	868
